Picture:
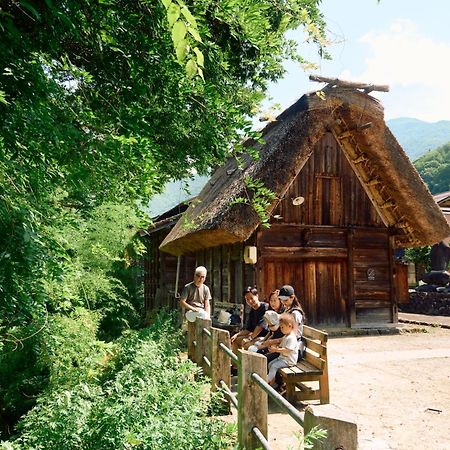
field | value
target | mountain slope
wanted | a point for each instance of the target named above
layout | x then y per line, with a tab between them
417	136
434	168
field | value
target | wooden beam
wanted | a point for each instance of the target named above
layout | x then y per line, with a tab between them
367	87
253	401
388	204
360	159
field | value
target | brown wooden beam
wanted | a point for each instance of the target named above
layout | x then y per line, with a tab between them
367	87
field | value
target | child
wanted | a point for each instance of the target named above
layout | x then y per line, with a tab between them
272	321
288	348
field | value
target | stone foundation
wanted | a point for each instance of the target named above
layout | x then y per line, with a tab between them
432	303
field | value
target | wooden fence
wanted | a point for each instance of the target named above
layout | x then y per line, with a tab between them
210	348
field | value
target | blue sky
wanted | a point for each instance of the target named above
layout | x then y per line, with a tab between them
402	43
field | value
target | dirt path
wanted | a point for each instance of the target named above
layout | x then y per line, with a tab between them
396	386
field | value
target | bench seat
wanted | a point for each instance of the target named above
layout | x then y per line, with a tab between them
312	368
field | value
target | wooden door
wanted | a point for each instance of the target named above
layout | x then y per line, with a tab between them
321	286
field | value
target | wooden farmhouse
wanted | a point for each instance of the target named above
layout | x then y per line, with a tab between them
346	197
443	200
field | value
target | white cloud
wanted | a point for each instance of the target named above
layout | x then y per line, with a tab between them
416	68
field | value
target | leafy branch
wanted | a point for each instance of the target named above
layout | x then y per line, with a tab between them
258	196
185	37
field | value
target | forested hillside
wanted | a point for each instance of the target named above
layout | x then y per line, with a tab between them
417	137
434	167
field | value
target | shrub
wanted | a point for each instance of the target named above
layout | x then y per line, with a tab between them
147	399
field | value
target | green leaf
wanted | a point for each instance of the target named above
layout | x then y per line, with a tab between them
2	98
200	57
194	34
178	32
31	9
166	3
200	73
173	13
188	16
191	68
181	50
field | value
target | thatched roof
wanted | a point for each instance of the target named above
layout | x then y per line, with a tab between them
393	184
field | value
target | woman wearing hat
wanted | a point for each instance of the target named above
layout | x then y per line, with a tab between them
292	305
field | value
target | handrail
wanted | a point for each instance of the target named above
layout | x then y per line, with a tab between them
277	398
231	395
228	352
264	442
220	377
207	332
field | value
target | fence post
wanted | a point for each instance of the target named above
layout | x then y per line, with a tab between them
201	342
220	361
191	339
253	402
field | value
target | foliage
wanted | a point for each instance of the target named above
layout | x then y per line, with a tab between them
84	296
435	169
61	353
419	255
315	435
101	104
149	400
258	196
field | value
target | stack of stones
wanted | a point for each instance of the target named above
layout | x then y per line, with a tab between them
433	303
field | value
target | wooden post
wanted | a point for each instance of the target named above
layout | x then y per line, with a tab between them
351	280
190	340
198	342
253	403
220	361
393	280
202	346
323	380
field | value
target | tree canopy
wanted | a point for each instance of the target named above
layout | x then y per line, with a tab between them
102	102
434	168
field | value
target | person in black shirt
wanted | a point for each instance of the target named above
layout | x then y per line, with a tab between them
255	322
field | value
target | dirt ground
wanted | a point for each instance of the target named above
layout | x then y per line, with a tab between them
396	386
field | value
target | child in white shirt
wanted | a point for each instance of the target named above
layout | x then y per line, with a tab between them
288	348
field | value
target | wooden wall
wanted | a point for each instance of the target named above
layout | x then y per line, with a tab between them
332	192
334	248
228	276
160	273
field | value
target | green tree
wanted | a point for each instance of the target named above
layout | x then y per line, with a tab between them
102	102
434	168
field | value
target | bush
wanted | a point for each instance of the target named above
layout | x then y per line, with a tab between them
147	399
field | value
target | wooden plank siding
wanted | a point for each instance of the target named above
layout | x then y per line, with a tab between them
334	248
160	273
333	194
227	275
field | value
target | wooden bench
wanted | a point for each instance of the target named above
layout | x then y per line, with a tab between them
313	367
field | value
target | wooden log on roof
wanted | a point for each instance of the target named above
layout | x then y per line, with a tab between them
350	84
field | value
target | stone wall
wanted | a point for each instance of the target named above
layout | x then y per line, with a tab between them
433	303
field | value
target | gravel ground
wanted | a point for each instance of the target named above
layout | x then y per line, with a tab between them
396	386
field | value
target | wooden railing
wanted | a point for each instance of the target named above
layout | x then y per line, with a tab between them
210	348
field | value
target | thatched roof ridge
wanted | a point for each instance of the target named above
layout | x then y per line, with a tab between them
213	220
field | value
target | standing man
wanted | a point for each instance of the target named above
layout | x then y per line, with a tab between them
196	295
